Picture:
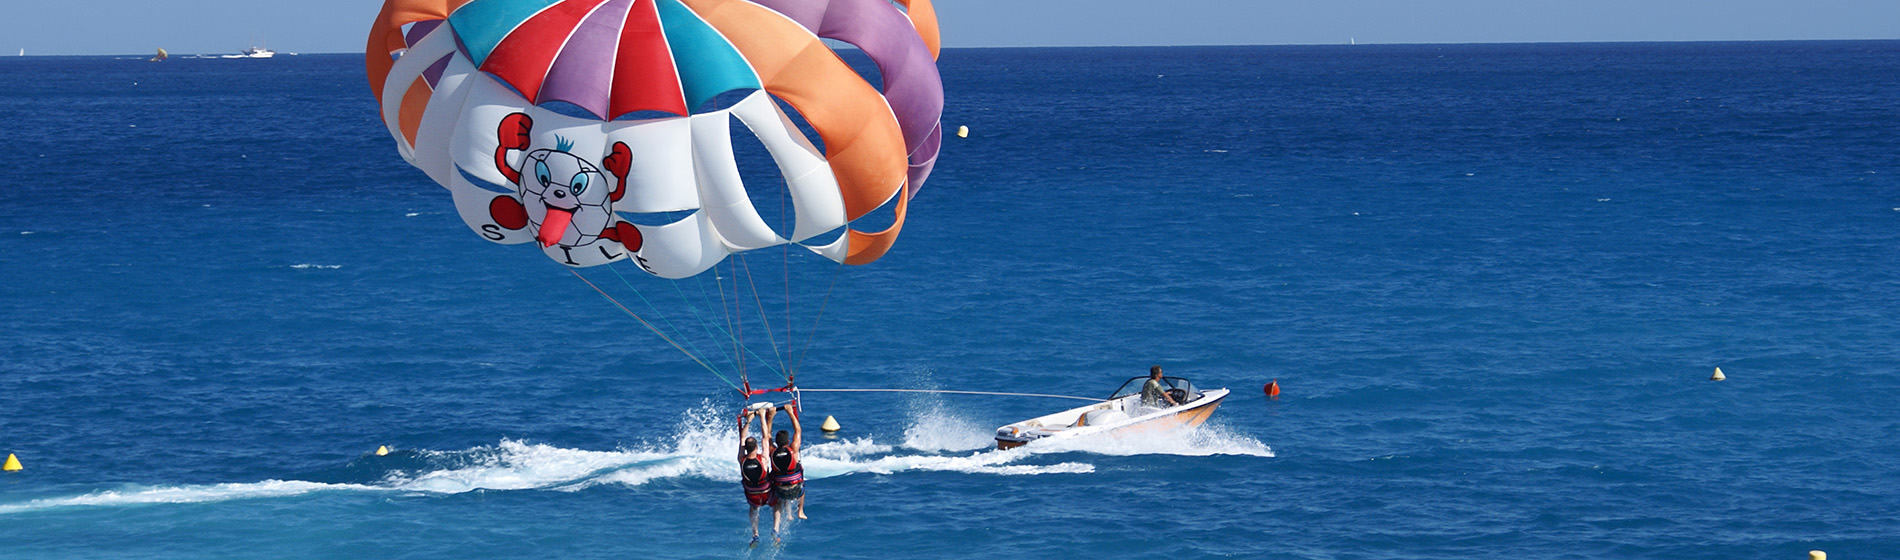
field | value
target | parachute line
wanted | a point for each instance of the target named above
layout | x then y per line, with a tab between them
763	318
814	321
636	317
706	325
656	310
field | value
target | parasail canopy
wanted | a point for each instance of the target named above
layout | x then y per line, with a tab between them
553	122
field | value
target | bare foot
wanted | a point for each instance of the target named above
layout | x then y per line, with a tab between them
801	515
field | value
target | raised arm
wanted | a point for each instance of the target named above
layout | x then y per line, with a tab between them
743	423
798	432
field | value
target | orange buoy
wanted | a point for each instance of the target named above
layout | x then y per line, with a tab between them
1272	389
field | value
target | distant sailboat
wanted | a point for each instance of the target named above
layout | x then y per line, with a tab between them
22	52
162	55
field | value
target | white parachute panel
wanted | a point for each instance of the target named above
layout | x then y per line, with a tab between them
722	193
660	178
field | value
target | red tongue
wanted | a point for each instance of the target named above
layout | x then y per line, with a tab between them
554	225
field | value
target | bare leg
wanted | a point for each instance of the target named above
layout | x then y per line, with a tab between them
801	507
777	512
755	522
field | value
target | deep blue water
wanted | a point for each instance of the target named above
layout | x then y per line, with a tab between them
1492	280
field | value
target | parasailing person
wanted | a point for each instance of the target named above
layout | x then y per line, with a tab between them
754	475
788	475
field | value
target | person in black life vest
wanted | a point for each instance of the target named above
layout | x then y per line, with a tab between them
755	473
788	476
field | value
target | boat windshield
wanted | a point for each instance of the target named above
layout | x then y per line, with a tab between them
1133	387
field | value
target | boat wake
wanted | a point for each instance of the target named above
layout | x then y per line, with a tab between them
701	446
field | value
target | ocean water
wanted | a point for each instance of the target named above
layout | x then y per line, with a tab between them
1492	280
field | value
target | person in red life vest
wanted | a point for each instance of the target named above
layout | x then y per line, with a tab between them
788	476
754	473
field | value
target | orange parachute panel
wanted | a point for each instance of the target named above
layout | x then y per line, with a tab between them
385	36
923	16
862	140
866	247
414	102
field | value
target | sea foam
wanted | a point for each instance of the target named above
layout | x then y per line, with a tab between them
703	446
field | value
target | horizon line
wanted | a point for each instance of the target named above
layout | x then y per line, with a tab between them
1185	45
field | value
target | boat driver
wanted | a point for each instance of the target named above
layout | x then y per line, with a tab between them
1153	393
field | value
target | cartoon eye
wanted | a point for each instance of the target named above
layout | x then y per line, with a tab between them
541	173
579	185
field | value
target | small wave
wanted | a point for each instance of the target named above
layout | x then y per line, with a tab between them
31	233
190	494
1200	441
317	266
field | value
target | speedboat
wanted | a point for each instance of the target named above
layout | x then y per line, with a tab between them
1121	414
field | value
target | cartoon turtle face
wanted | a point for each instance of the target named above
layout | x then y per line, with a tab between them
566	192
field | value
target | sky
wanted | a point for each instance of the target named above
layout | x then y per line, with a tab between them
225	26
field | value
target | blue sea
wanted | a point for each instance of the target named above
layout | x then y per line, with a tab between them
1492	281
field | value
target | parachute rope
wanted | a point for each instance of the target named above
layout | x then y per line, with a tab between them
814	321
705	324
636	317
656	311
763	318
940	391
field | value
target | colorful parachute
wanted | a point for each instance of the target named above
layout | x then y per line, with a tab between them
517	106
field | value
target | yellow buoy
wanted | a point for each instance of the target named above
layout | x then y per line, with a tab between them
382	450
830	425
1817	555
13	464
1718	375
963	132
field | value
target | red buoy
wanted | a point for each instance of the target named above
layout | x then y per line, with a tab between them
1273	389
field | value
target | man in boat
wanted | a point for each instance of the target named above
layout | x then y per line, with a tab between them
788	476
1153	393
754	475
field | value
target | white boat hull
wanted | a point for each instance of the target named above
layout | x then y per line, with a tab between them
1134	418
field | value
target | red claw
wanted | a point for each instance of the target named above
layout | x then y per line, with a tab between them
625	234
617	164
513	135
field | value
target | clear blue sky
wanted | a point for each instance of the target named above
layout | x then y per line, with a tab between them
221	26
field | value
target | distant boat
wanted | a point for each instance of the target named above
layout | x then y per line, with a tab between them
162	55
253	52
22	52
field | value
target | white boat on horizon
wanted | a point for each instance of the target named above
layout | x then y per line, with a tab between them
1121	414
253	52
